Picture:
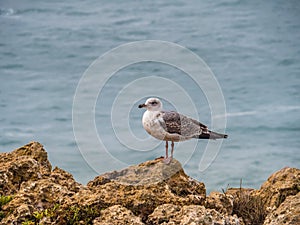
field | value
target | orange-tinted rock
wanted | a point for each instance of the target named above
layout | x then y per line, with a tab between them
287	213
29	162
279	186
117	215
169	214
221	202
143	187
148	193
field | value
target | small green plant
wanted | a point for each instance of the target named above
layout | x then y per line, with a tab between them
77	214
39	215
86	214
70	216
29	222
3	201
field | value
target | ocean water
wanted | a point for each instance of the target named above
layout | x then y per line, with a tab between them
252	48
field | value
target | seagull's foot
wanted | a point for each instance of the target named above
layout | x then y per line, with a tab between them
167	161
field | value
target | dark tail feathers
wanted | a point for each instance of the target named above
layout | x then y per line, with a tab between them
211	135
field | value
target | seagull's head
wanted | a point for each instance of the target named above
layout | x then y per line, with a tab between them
152	104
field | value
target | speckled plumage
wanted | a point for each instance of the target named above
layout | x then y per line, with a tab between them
173	126
174	122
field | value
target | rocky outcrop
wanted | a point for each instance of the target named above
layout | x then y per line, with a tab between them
34	187
141	189
287	213
276	202
279	186
148	193
281	197
29	162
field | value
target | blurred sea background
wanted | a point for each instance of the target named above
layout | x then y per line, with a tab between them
252	47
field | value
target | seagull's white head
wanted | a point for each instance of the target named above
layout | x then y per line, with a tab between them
152	104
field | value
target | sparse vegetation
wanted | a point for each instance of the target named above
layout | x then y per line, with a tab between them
250	207
71	216
3	201
28	223
225	190
76	214
39	215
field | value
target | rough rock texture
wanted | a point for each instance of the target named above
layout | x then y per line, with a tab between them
42	194
280	185
287	213
223	203
271	201
148	193
29	162
117	215
142	188
34	186
169	214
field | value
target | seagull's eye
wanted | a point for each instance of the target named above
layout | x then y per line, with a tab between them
153	103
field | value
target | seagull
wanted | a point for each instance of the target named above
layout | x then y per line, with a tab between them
173	126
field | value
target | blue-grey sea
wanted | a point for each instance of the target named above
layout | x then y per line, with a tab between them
251	47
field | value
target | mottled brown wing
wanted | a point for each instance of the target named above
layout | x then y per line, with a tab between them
177	123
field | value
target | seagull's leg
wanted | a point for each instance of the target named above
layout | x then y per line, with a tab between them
172	145
168	159
167	150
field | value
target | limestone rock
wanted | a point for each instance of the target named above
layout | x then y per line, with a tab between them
257	206
149	193
117	215
221	202
38	195
143	187
169	214
27	175
287	213
163	214
29	162
279	186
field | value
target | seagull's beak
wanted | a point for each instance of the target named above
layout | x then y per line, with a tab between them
142	105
